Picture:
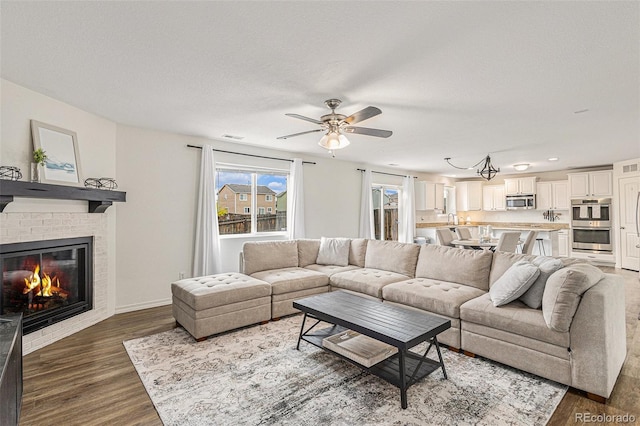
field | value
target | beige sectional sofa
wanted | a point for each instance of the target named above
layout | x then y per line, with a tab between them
583	347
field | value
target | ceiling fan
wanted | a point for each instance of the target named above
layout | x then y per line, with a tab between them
335	125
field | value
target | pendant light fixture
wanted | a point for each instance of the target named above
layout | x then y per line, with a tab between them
487	171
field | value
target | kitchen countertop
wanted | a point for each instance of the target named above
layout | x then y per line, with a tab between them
545	227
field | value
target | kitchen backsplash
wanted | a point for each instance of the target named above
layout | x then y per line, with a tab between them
525	216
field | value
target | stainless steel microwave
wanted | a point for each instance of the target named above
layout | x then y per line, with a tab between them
521	202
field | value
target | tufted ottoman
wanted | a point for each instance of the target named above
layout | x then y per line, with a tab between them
216	303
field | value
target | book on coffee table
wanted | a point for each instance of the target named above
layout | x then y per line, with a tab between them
364	350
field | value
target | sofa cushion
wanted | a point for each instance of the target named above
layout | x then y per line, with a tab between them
366	280
357	252
514	317
333	251
513	283
331	269
563	292
547	266
307	251
286	280
267	255
392	256
469	267
438	297
502	261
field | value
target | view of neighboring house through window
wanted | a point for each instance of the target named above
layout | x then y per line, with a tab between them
385	212
243	193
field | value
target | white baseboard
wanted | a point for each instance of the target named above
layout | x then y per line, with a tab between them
140	306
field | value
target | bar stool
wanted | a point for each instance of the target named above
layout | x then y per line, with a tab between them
541	246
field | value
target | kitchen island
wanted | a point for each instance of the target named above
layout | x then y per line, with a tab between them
554	235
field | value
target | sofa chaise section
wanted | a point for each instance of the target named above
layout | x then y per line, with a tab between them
588	355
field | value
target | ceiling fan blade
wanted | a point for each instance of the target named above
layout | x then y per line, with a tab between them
369	132
362	115
298	134
302	117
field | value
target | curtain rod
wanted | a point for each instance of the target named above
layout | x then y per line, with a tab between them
251	155
385	173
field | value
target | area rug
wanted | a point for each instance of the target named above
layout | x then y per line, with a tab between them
255	376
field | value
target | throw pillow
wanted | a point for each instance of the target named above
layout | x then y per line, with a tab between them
513	283
563	292
333	251
547	265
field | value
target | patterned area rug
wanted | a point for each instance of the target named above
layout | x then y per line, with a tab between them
255	376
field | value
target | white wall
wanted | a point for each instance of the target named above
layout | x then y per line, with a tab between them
96	145
156	226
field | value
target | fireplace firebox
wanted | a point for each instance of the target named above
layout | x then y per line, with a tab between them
47	281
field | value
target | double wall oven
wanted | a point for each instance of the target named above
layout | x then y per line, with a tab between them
591	227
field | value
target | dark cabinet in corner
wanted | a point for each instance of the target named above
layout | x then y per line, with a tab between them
11	373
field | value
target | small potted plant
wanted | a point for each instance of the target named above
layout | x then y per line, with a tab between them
39	158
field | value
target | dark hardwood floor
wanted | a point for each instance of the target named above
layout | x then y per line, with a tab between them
88	379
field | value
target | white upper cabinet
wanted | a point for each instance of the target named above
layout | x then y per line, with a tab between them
552	195
429	195
493	198
469	196
520	186
591	184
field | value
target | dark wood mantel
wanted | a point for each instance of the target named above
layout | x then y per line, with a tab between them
99	200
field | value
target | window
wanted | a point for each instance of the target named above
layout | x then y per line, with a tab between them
260	204
385	212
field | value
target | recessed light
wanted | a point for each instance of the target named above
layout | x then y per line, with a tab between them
521	167
553	159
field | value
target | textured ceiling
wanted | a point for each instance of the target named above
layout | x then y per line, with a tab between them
453	79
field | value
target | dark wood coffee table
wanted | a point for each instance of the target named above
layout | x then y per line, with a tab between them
400	327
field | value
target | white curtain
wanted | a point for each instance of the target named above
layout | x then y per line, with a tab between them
206	254
295	200
408	210
366	207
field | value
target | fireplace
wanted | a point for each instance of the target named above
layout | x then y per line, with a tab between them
47	281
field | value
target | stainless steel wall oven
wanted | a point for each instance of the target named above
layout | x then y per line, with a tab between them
591	225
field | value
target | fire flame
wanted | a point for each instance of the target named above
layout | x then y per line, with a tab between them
45	286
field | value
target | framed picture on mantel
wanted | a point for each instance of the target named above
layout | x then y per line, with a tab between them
62	165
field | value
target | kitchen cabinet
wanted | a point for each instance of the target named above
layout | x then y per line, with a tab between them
563	243
591	184
493	198
468	196
520	186
429	195
552	195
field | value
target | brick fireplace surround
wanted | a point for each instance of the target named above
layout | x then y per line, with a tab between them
24	227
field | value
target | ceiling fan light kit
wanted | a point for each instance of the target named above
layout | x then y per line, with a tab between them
336	125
